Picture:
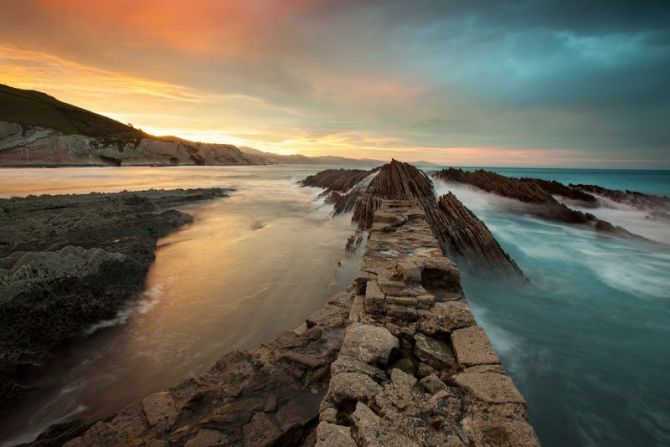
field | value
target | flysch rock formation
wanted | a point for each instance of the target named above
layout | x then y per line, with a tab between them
539	201
414	369
460	233
397	360
69	261
658	207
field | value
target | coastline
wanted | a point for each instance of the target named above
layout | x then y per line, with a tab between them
70	261
365	349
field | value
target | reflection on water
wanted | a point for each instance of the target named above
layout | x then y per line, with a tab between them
250	266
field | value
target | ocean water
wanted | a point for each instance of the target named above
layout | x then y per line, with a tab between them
587	340
250	266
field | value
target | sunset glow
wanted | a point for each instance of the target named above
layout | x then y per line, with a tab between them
348	79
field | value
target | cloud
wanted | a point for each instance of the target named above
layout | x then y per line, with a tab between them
562	81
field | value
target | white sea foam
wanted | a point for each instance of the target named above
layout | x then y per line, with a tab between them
143	305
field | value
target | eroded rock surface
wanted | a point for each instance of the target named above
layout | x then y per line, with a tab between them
69	261
469	238
537	195
417	370
458	231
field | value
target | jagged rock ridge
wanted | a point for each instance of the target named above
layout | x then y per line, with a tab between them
540	201
460	235
657	206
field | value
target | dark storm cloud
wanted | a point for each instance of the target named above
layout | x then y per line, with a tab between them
591	77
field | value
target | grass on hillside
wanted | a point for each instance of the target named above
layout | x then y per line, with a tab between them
33	108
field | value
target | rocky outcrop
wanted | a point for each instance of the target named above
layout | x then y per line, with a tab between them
67	262
539	202
339	180
469	239
460	233
657	206
567	192
414	369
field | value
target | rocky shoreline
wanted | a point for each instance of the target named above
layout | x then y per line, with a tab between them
396	360
69	261
538	198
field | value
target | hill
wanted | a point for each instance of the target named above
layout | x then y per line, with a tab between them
37	109
39	130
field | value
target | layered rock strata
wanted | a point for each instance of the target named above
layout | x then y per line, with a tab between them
414	369
459	232
537	195
22	145
69	261
658	207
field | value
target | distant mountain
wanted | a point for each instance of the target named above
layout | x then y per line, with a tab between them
38	130
318	160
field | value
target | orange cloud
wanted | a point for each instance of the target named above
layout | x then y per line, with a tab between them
223	27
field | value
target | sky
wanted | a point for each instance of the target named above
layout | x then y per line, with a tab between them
572	83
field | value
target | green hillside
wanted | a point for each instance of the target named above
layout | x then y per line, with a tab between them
34	108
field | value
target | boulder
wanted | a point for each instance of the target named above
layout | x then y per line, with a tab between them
332	435
370	344
472	347
434	352
352	387
490	387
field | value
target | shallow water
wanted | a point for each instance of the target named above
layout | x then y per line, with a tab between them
250	266
586	341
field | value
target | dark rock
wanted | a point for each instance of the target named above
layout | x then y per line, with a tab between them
459	232
540	201
469	239
659	205
69	261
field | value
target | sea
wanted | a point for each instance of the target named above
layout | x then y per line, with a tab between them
586	339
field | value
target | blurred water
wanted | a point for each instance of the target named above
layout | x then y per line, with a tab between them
250	266
587	340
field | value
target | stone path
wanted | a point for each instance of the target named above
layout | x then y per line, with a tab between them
414	369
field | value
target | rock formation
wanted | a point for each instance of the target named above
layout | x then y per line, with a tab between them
469	239
269	396
568	192
460	234
657	206
69	261
338	180
540	201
